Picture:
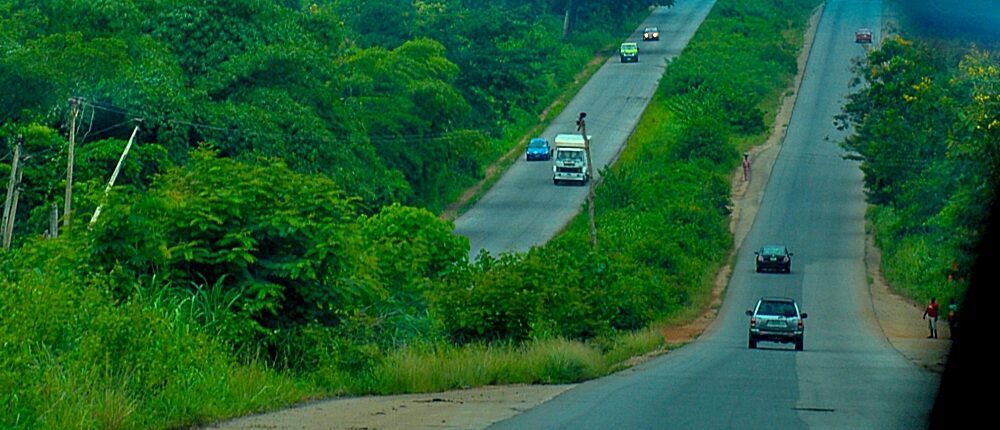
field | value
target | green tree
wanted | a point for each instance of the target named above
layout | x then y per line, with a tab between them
904	117
412	112
282	244
925	130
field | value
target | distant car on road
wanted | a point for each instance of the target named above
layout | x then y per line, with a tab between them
776	319
538	149
863	35
629	52
773	257
650	33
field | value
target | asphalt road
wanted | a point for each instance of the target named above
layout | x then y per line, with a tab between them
524	208
849	376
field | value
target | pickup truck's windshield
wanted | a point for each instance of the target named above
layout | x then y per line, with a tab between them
570	155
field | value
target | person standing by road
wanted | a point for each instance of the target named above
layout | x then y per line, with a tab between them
931	315
952	317
746	166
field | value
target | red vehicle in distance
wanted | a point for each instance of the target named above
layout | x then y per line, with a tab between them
863	35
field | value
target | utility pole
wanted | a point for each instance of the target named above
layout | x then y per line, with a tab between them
74	111
581	125
569	19
10	189
54	221
13	192
118	168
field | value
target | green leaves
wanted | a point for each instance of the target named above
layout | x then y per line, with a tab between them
282	239
922	131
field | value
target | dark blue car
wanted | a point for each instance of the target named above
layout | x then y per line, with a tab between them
538	149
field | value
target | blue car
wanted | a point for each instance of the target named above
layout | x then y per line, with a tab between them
538	149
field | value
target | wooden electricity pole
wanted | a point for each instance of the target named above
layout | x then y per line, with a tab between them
13	192
74	111
581	125
118	168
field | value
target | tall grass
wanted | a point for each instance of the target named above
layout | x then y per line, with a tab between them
70	357
549	361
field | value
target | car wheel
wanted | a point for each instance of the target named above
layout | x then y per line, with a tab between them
752	343
757	269
555	181
799	344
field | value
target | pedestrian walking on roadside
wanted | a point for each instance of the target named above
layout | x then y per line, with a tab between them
931	315
746	166
952	318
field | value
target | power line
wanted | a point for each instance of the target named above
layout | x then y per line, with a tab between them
436	136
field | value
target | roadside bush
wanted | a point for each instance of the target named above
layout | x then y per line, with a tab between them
492	300
283	247
548	292
704	137
348	348
411	249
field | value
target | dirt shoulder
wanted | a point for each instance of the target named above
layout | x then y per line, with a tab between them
899	319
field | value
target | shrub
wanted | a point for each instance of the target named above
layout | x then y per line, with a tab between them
283	246
705	137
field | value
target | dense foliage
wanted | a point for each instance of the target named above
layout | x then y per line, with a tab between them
396	102
926	124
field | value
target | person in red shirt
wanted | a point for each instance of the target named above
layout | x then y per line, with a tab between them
932	312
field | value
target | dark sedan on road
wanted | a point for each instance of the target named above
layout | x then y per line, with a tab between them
773	257
538	149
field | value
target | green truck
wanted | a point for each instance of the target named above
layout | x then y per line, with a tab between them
629	52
